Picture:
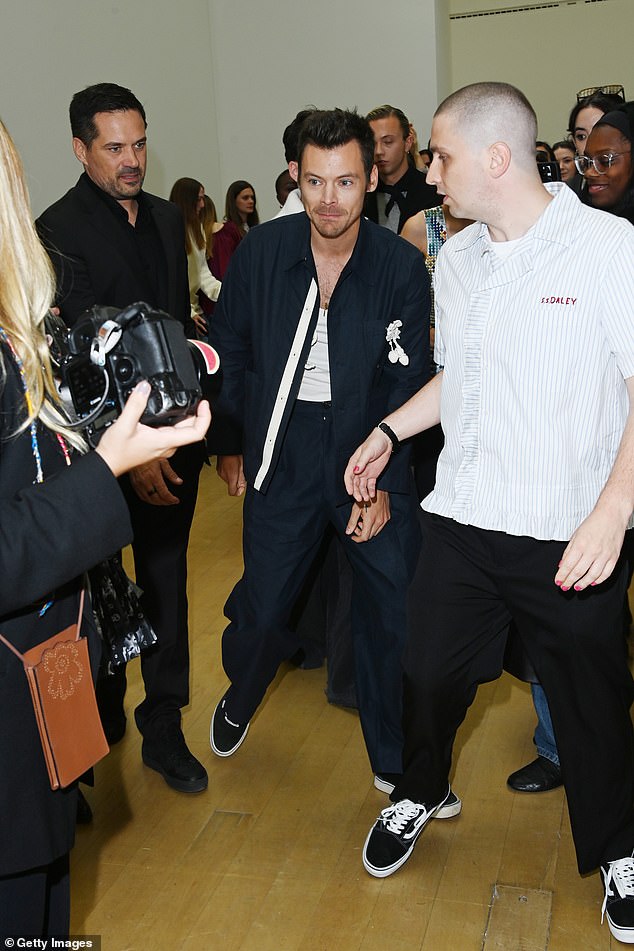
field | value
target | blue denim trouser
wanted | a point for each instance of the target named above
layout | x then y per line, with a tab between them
544	737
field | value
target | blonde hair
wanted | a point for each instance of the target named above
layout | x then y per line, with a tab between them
208	219
27	288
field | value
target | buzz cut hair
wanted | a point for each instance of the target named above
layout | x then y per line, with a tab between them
490	112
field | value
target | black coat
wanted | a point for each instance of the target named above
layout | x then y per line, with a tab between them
419	196
49	534
83	239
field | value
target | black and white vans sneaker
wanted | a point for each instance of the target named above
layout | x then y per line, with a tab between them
393	836
385	782
618	904
225	736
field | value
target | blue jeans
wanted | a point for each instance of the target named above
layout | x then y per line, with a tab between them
544	737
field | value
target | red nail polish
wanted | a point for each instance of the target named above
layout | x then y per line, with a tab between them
356	469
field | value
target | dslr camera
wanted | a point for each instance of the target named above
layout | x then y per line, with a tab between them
100	360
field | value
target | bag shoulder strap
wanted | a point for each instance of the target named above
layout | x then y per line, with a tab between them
79	619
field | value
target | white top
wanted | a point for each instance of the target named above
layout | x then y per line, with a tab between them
200	277
293	204
387	221
315	385
535	350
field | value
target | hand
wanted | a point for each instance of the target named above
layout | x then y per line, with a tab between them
592	552
367	519
366	465
230	470
150	482
201	323
128	443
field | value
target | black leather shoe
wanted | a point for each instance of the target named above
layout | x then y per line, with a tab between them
539	776
166	752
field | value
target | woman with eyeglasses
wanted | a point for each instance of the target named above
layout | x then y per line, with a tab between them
587	112
607	165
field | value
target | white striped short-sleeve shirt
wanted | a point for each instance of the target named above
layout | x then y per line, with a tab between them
536	348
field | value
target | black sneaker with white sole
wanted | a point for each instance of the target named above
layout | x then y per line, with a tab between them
393	836
618	904
225	736
452	806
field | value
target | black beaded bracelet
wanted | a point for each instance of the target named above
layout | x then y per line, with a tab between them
389	432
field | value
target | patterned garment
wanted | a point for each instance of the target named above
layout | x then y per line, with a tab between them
436	237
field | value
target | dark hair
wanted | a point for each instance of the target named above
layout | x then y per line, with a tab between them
565	144
598	100
542	146
290	139
104	97
281	178
184	194
231	209
624	208
386	112
332	128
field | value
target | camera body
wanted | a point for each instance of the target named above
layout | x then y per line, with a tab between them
102	358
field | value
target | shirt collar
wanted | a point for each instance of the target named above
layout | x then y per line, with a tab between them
548	226
360	259
112	203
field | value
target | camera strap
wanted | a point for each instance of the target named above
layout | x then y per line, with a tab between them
107	337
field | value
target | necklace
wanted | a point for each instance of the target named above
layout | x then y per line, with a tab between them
35	446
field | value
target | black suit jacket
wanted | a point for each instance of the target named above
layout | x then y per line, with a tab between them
83	239
419	196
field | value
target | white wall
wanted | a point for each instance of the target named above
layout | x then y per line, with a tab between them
270	59
548	53
159	49
219	78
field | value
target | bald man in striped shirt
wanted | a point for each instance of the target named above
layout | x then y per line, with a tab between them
530	516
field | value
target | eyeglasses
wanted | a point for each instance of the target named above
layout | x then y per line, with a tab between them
600	163
614	90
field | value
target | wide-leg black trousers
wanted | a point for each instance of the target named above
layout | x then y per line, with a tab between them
470	583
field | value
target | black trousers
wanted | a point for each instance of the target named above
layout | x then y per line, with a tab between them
470	583
161	537
283	530
36	902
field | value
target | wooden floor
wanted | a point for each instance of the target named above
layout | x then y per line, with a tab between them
269	857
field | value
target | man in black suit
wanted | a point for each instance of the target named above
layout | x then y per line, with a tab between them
402	190
112	243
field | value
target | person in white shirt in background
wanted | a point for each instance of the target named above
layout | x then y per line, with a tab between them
189	195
